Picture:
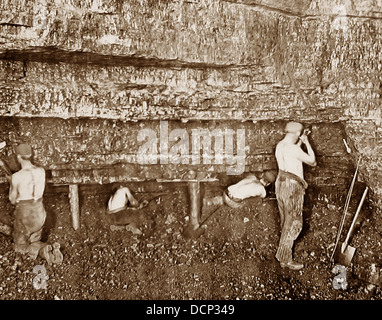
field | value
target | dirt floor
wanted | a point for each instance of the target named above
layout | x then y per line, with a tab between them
233	259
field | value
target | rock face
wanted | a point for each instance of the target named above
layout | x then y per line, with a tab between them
80	78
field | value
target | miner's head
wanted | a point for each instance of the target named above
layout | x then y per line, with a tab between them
294	129
267	177
23	152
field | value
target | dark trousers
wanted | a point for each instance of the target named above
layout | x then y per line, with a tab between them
290	199
30	217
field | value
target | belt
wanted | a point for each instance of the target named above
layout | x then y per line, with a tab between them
230	201
289	175
28	201
115	210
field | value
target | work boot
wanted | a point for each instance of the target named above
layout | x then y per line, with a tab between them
57	255
47	254
4	229
133	229
117	228
292	265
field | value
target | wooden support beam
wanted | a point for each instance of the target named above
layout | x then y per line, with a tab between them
74	205
195	203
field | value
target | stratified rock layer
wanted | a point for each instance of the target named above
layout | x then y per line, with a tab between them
80	80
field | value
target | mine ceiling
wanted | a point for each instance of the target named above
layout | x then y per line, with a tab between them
292	7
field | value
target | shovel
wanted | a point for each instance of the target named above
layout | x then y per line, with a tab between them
344	253
346	206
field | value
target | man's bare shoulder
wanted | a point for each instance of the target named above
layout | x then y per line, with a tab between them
17	175
39	170
283	145
24	172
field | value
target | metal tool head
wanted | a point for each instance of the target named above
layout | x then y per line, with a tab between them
344	254
189	232
348	150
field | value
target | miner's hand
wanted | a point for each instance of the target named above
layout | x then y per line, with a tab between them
304	139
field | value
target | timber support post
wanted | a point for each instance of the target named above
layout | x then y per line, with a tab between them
195	203
74	205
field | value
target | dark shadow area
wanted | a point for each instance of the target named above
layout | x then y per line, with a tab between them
54	55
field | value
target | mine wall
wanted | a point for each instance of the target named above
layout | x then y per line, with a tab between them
98	151
89	83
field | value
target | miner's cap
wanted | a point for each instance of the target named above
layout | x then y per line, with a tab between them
24	149
292	127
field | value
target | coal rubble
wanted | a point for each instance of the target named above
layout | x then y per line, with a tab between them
232	260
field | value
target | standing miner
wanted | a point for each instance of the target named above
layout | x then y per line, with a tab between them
290	188
26	191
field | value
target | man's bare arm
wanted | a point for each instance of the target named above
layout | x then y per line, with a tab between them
13	190
5	168
309	158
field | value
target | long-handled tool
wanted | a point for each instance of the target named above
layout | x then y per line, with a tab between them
347	201
190	233
3	165
145	203
344	253
4	228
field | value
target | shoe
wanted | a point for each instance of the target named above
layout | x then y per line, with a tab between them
47	254
57	254
117	228
4	229
292	265
133	229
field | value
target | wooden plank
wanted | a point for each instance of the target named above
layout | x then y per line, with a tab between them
195	203
74	205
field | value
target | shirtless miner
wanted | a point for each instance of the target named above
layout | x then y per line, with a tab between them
26	191
290	188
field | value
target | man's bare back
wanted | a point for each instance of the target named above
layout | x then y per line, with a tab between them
27	184
290	157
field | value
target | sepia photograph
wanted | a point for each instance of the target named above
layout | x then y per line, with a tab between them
199	152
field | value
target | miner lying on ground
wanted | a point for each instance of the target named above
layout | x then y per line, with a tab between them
124	210
250	186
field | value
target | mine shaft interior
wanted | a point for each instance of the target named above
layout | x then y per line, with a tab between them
189	97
